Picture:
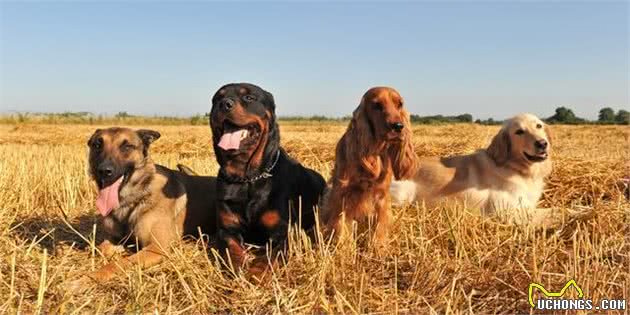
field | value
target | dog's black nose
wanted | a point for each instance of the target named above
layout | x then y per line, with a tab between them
541	144
226	104
397	126
105	171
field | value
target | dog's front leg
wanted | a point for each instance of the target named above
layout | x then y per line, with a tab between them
231	244
339	210
230	239
147	257
277	227
154	236
383	221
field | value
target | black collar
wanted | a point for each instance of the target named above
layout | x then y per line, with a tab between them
266	173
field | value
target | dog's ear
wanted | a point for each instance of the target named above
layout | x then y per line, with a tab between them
269	101
500	147
361	125
404	159
93	137
362	142
148	136
548	133
354	150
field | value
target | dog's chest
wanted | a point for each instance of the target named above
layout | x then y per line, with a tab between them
245	199
116	224
120	223
516	194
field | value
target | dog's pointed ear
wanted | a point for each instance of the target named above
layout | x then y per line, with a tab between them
93	137
500	147
148	136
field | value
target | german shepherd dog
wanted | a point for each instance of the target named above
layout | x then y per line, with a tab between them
260	188
144	203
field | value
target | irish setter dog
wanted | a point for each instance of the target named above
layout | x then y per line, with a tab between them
376	147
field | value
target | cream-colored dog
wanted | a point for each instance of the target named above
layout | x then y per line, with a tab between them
505	180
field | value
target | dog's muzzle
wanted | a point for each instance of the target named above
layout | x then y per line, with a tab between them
107	173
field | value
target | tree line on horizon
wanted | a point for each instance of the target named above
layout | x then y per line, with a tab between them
562	115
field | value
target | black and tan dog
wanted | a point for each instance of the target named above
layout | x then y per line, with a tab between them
144	203
260	189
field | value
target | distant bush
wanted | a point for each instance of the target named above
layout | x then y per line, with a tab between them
200	119
622	117
122	118
440	119
314	118
606	115
122	115
489	122
565	115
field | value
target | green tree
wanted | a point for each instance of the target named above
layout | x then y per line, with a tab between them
465	118
564	115
623	117
122	115
606	115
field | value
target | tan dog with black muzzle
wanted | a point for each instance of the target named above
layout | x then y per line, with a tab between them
143	203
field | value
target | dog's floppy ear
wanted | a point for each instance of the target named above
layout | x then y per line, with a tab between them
500	147
93	137
548	133
148	136
361	126
404	159
269	101
355	148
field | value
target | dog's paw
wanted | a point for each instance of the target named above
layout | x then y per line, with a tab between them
90	279
259	272
83	283
108	250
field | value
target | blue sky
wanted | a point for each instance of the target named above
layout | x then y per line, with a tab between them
490	59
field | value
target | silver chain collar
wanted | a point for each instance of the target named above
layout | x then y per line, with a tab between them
266	173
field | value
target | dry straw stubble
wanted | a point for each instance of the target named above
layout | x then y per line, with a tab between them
442	260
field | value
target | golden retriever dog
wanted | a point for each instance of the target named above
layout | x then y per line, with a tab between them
506	180
375	148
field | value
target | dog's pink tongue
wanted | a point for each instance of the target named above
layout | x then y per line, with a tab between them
232	140
108	198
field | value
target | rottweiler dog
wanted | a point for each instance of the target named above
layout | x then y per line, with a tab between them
260	189
144	203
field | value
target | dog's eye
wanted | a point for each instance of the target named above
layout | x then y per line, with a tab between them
378	107
520	132
126	146
249	98
98	143
400	105
539	126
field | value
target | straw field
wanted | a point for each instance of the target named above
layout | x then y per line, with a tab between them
439	260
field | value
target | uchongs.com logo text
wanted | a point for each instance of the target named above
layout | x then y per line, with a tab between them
552	301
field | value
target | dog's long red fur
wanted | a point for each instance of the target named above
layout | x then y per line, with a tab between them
368	155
